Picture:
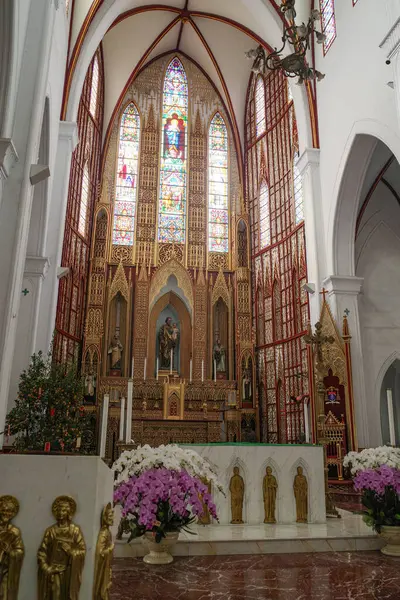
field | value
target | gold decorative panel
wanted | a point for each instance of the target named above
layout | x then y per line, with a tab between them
217	261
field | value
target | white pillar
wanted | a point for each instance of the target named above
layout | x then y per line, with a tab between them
104	423
314	229
16	203
343	295
128	429
8	158
67	141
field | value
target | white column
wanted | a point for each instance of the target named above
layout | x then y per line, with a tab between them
67	141
128	429
8	158
17	193
314	228
306	423
122	419
104	422
343	295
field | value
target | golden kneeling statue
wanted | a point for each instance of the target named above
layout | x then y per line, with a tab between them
300	488
11	549
269	494
104	555
236	488
61	555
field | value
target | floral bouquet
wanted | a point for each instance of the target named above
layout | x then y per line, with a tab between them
161	489
376	471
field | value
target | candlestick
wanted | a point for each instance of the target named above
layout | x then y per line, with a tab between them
202	371
157	369
171	359
128	430
306	423
215	370
392	434
191	370
78	442
122	419
145	368
104	422
132	369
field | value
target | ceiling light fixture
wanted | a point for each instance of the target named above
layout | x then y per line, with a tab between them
299	38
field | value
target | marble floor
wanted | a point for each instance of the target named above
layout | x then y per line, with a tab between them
347	534
317	576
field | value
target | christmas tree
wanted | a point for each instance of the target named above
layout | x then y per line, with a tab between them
48	412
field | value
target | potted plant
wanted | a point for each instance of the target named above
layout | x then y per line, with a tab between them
376	472
161	493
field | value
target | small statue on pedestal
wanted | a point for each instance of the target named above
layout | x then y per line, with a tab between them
11	549
236	488
270	487
61	555
219	356
300	488
115	350
104	554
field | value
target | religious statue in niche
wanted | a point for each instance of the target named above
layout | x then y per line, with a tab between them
270	487
90	384
219	356
247	387
300	488
104	555
61	555
174	137
205	519
168	337
115	351
236	488
11	549
332	396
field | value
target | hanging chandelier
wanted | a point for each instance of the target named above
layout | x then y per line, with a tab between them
299	39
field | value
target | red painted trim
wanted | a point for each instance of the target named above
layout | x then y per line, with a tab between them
391	188
370	192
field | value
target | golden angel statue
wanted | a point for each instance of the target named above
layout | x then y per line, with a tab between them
300	488
104	554
61	555
11	549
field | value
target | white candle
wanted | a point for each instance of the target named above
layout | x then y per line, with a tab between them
144	368
392	434
171	360
104	422
215	370
202	371
191	370
128	430
122	419
306	423
157	369
133	365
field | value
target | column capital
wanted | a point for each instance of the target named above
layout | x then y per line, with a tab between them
310	157
36	266
68	132
343	285
8	157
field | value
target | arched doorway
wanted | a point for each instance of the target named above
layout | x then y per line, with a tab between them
390	402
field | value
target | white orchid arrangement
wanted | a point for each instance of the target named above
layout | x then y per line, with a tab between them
143	458
372	458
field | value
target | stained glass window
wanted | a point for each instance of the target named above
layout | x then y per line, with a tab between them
84	205
172	206
260	106
328	22
94	88
218	214
265	225
127	176
298	191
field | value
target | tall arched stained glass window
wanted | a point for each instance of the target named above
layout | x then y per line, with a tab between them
94	90
84	204
218	214
173	166
260	106
265	225
127	176
298	190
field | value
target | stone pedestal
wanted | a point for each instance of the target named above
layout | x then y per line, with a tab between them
36	481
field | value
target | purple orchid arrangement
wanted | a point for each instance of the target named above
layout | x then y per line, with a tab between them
162	500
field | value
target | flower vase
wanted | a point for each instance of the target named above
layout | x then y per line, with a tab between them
391	535
159	552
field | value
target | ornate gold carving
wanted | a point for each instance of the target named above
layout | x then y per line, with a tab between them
217	261
333	355
200	324
122	254
119	284
140	331
168	252
270	487
236	488
97	285
220	290
160	279
61	555
94	326
12	549
300	489
104	555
